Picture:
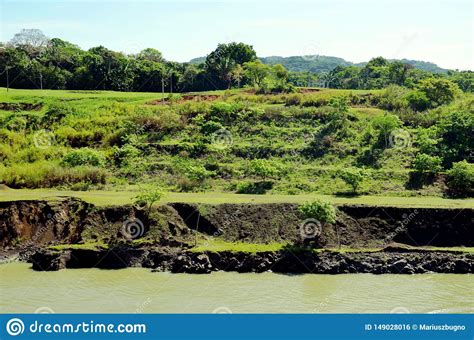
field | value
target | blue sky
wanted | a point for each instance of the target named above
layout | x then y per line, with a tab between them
357	30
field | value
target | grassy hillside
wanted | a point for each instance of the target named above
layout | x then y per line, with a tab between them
310	142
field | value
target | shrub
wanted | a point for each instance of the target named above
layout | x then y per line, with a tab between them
210	127
385	125
417	100
56	112
226	112
427	140
353	177
456	129
198	173
148	197
439	91
319	210
184	184
255	188
261	168
461	177
174	98
126	155
191	174
48	175
84	156
161	123
393	98
293	100
339	104
426	164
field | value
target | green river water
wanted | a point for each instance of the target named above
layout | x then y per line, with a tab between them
23	290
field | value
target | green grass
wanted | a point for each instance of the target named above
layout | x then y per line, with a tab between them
17	95
104	198
82	246
219	245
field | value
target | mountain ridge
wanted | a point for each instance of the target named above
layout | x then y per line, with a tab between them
320	63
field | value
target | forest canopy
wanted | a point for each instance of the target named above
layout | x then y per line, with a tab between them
32	60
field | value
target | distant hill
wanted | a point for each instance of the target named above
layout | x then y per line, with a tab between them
425	66
318	64
422	65
315	64
198	60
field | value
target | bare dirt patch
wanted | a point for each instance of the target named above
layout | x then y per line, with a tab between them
186	98
305	90
20	107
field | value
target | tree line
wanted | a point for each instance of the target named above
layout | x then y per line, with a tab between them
379	73
30	60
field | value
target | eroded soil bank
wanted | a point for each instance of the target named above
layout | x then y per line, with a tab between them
70	233
283	261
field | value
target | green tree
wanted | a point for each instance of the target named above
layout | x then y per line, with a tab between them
221	61
12	62
455	132
398	72
320	210
385	125
151	54
353	177
417	100
427	164
439	91
281	74
256	71
461	178
464	79
261	168
237	74
148	198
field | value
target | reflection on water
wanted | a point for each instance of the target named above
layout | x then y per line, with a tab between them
137	290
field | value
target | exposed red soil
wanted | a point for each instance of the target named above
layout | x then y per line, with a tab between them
309	90
186	98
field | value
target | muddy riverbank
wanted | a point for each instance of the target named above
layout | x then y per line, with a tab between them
70	233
